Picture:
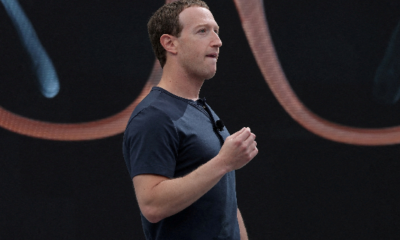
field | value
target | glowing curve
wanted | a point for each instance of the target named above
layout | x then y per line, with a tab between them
98	129
256	29
80	131
43	66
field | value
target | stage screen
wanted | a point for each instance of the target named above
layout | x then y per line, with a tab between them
318	82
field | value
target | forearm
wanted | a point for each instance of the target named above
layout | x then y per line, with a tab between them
160	197
242	228
171	196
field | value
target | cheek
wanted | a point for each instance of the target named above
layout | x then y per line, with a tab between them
193	56
193	51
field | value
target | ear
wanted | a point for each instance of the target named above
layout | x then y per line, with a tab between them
168	42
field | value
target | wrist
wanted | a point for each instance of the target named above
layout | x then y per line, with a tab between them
220	163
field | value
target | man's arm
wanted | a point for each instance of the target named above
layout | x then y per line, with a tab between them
160	197
242	228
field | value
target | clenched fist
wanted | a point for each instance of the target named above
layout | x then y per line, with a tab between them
239	149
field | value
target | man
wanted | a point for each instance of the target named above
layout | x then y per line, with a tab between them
179	155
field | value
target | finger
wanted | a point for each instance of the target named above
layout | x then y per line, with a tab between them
243	135
250	139
254	153
253	144
251	148
238	133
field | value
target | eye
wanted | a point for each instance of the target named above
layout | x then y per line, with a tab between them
203	30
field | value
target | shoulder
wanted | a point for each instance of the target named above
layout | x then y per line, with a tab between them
150	118
158	112
151	127
160	103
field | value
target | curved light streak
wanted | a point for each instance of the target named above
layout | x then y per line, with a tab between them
256	29
45	72
103	128
80	131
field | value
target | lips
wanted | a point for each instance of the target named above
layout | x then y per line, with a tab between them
212	55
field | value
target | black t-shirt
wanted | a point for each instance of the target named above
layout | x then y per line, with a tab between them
172	136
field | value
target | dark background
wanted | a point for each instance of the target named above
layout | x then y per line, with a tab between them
300	186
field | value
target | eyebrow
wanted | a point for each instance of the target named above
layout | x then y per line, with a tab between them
206	25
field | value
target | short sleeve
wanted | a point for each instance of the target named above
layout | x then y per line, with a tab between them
151	143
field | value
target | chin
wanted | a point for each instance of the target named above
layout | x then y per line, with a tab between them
210	76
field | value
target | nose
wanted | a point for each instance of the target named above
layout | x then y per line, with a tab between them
217	41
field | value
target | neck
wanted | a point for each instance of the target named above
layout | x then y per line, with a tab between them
180	83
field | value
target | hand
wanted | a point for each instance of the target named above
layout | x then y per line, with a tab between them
239	149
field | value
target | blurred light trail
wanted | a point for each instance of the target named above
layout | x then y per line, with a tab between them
46	74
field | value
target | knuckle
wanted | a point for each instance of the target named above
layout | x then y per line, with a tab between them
255	151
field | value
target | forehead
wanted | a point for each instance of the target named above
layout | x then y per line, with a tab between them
195	16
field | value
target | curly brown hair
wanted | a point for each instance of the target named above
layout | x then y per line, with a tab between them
166	21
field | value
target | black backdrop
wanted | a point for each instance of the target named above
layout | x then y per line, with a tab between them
300	186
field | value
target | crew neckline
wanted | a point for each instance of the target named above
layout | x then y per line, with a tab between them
186	99
199	104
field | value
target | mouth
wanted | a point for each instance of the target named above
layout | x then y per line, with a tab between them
212	55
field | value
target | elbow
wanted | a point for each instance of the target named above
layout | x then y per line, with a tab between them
152	214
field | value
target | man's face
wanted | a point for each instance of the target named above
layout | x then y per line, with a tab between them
199	43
